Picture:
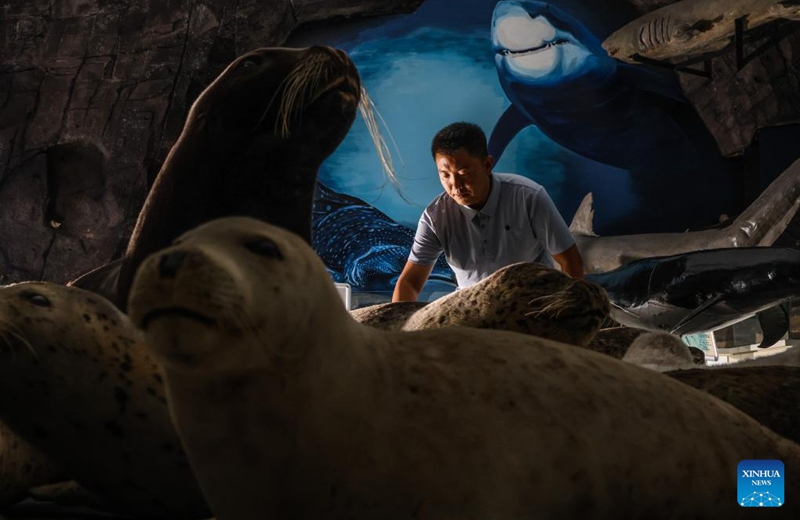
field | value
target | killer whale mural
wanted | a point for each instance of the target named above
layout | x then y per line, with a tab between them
558	77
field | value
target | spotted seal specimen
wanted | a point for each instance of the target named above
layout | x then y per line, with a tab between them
252	144
21	465
77	383
659	351
767	393
525	297
288	408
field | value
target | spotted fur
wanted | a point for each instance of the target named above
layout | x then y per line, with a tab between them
77	382
526	297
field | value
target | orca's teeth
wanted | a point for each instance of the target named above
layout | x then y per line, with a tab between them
508	52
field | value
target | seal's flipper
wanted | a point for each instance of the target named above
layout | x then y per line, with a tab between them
774	324
582	222
506	128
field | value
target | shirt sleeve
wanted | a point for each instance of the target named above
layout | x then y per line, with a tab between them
548	225
427	247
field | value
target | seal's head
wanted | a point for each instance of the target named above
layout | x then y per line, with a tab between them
524	297
231	285
39	316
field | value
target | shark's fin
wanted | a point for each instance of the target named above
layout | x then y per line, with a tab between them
658	82
582	222
774	324
506	128
677	328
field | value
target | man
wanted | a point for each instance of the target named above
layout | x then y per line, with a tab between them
483	221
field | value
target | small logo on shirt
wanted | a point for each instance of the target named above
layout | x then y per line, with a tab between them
508	228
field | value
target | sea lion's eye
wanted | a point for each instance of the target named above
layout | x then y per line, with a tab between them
36	299
264	247
249	62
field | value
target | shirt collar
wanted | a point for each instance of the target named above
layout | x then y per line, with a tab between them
491	203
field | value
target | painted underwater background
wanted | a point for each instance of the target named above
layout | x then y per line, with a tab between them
437	66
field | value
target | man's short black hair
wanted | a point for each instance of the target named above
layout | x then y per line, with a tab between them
455	136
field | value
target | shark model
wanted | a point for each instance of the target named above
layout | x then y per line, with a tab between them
692	27
759	225
703	290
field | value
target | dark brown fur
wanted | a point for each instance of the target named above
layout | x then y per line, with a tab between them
233	159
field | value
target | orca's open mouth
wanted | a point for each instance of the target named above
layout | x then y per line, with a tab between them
533	50
176	311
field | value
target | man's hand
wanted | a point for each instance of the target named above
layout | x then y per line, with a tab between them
411	282
570	261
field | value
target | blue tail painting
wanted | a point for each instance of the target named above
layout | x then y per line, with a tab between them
361	245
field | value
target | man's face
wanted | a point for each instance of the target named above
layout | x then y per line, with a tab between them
466	178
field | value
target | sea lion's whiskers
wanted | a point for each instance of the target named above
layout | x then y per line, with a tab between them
301	87
368	111
278	90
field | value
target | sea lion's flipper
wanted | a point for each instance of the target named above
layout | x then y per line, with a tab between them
676	329
506	128
774	324
101	280
582	222
650	80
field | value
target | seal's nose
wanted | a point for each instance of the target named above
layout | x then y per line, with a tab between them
170	263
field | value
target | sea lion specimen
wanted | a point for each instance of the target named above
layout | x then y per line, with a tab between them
252	144
288	408
77	383
769	394
691	27
759	225
21	465
524	297
703	290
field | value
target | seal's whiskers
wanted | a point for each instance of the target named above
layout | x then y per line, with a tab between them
554	304
6	330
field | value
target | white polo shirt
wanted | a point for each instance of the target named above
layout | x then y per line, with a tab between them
518	223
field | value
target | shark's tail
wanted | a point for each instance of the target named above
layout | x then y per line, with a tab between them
767	217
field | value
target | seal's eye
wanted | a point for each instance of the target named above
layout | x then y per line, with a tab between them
36	299
264	247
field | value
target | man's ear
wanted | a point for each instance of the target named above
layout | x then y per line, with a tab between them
489	161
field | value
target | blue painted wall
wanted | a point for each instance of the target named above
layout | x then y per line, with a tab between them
438	65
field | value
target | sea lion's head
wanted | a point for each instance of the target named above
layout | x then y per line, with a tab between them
276	97
229	295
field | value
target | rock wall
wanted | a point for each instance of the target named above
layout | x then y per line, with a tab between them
93	93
